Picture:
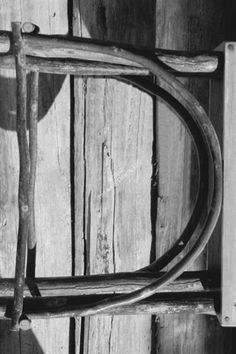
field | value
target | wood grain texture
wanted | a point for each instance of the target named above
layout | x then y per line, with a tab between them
52	223
185	26
116	130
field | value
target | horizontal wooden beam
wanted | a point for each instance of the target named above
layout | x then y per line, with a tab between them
227	130
73	67
55	307
60	49
109	283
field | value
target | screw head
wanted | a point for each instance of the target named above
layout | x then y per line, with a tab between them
230	47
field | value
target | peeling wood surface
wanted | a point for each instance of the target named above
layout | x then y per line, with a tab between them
53	226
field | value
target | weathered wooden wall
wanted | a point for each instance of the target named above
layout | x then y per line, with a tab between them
122	177
113	155
197	25
53	221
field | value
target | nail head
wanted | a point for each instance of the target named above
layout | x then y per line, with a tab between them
25	324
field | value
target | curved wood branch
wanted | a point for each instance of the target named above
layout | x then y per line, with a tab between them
61	48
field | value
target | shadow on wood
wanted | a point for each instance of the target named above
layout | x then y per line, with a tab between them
18	342
49	87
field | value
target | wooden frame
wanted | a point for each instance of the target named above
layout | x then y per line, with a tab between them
50	54
223	106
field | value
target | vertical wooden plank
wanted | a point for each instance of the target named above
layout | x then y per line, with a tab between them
113	145
216	116
228	310
185	26
53	220
220	339
222	100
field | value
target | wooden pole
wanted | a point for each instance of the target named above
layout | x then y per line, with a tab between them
23	199
109	283
72	67
33	121
57	307
49	47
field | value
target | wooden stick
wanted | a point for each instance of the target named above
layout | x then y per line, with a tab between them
72	67
33	121
23	174
186	64
62	48
78	49
184	67
82	68
56	307
109	283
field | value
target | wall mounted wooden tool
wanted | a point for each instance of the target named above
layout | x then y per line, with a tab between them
148	290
